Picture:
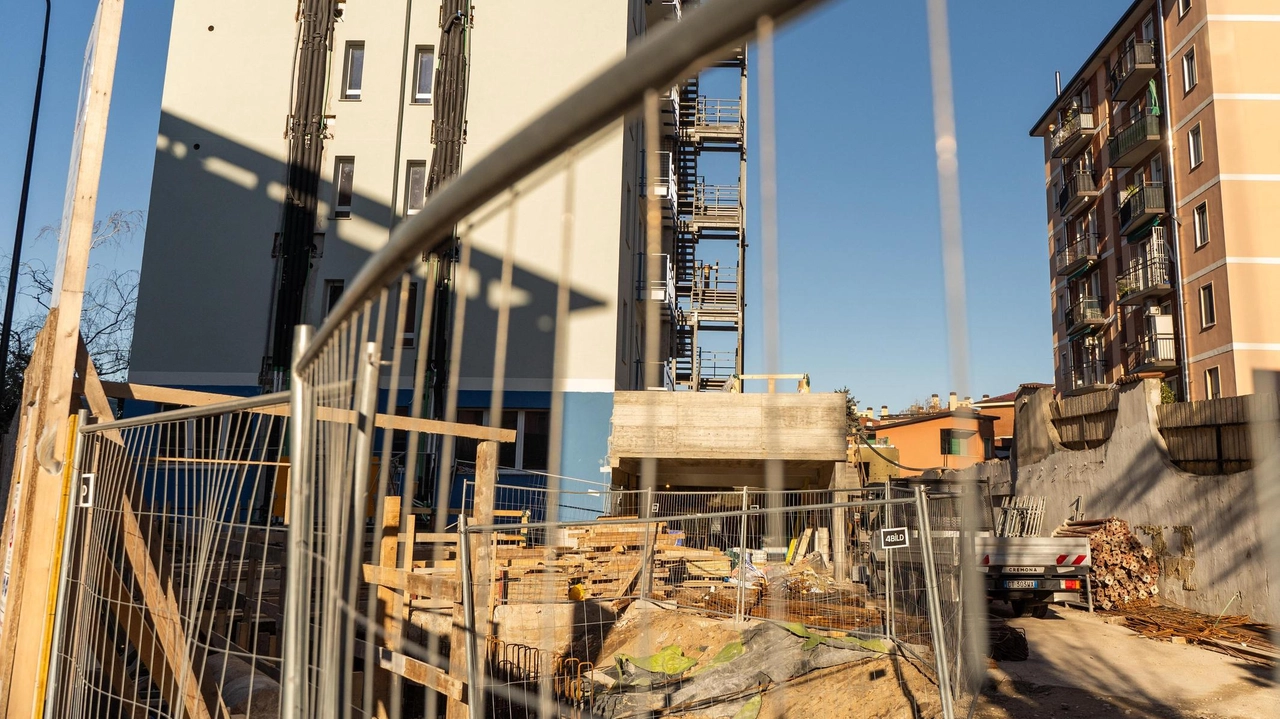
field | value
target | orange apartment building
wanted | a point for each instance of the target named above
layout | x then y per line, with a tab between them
1162	172
951	439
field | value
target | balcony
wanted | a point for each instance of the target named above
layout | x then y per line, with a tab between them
1136	66
1074	133
1152	352
1076	192
1135	142
1087	376
1077	256
1141	206
1084	316
1147	278
661	289
712	206
716	121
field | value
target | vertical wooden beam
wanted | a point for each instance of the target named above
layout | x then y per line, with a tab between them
482	513
26	625
481	578
841	478
390	607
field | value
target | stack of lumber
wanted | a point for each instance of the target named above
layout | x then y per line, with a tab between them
1124	571
607	561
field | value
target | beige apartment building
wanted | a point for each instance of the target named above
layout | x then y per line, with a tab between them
1162	175
226	180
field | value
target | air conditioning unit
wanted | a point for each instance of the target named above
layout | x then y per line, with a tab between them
1154	311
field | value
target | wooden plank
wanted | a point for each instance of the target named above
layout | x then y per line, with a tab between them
426	675
390	604
481	575
28	627
163	608
420	584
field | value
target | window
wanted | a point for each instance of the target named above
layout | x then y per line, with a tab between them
1195	146
988	448
953	441
353	71
529	451
1183	7
332	293
1212	383
1189	70
1086	100
1208	314
409	332
464	449
1202	224
415	187
344	175
424	70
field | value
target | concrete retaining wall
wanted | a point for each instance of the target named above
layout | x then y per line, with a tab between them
1205	529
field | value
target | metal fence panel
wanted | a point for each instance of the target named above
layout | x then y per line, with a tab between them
171	599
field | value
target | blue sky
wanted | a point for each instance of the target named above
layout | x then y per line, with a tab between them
860	263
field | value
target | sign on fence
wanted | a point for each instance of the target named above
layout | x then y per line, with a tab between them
894	538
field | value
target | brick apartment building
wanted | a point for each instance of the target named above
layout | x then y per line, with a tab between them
1162	174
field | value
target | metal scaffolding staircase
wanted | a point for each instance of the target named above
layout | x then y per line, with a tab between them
707	326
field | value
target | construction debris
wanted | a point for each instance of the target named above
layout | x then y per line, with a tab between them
1234	635
1124	572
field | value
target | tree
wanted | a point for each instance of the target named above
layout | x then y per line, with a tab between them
106	322
850	409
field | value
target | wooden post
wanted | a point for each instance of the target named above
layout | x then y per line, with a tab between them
481	578
31	573
840	479
390	607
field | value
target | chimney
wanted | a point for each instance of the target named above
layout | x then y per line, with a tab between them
968	401
884	411
986	397
951	402
934	403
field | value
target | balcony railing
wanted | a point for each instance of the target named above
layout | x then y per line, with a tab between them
1074	132
1088	375
1143	204
1080	253
1147	277
714	204
663	288
1136	65
1085	314
1077	190
1152	351
1137	140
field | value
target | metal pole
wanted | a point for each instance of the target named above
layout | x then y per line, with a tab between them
645	573
59	617
741	606
16	260
935	608
297	576
366	405
475	694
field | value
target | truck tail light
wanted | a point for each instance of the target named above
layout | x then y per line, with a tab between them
1071	584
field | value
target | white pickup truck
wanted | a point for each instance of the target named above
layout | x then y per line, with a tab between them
1030	572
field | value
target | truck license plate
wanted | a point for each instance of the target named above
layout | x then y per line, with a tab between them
1021	584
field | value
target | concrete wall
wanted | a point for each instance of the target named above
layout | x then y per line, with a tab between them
1205	529
729	426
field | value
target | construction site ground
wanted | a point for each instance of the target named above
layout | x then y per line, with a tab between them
1083	665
